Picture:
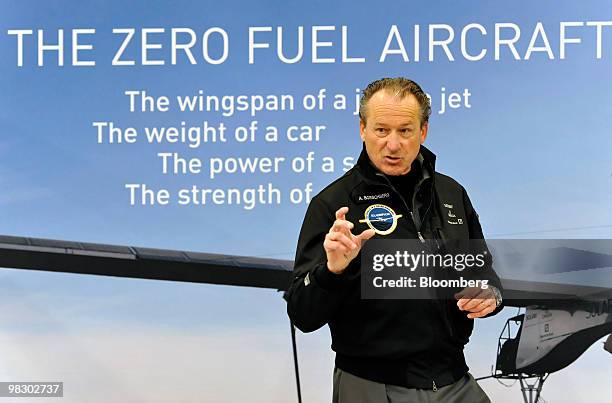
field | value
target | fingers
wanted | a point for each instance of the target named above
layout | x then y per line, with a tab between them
341	213
468	292
475	304
469	298
477	301
341	226
485	308
344	227
366	234
338	241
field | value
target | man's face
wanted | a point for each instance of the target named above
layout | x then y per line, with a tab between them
393	133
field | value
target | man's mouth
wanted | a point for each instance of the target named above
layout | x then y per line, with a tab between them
392	160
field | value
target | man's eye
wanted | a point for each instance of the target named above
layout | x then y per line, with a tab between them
380	130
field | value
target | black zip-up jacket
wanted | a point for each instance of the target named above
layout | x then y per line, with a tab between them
411	343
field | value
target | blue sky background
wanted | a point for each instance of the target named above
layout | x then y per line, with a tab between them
534	152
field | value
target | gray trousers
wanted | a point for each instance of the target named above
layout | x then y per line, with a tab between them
349	388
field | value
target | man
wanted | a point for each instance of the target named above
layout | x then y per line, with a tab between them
389	349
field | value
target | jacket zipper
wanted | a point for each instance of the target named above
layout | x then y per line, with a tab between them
417	225
418	231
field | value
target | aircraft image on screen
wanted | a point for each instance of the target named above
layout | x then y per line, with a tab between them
557	323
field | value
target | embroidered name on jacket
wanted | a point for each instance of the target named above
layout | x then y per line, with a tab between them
379	196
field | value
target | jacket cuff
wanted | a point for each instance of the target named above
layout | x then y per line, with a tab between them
328	280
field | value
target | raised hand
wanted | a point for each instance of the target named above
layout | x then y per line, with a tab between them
340	245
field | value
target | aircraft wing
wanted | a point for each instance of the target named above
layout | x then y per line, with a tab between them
197	267
522	293
144	263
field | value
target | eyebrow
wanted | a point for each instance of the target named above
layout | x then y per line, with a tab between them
401	125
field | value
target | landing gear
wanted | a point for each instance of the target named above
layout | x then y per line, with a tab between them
530	388
505	367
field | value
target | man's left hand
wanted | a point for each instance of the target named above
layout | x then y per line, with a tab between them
477	301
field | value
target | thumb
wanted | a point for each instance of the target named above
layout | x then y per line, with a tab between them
366	234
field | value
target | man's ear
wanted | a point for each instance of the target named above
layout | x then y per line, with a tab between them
424	129
362	127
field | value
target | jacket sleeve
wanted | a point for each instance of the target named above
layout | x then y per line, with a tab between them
476	233
314	293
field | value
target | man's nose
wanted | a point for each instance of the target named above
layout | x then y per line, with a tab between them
393	142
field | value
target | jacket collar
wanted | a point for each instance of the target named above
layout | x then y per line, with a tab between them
425	158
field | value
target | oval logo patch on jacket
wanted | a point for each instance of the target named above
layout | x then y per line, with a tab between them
382	219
